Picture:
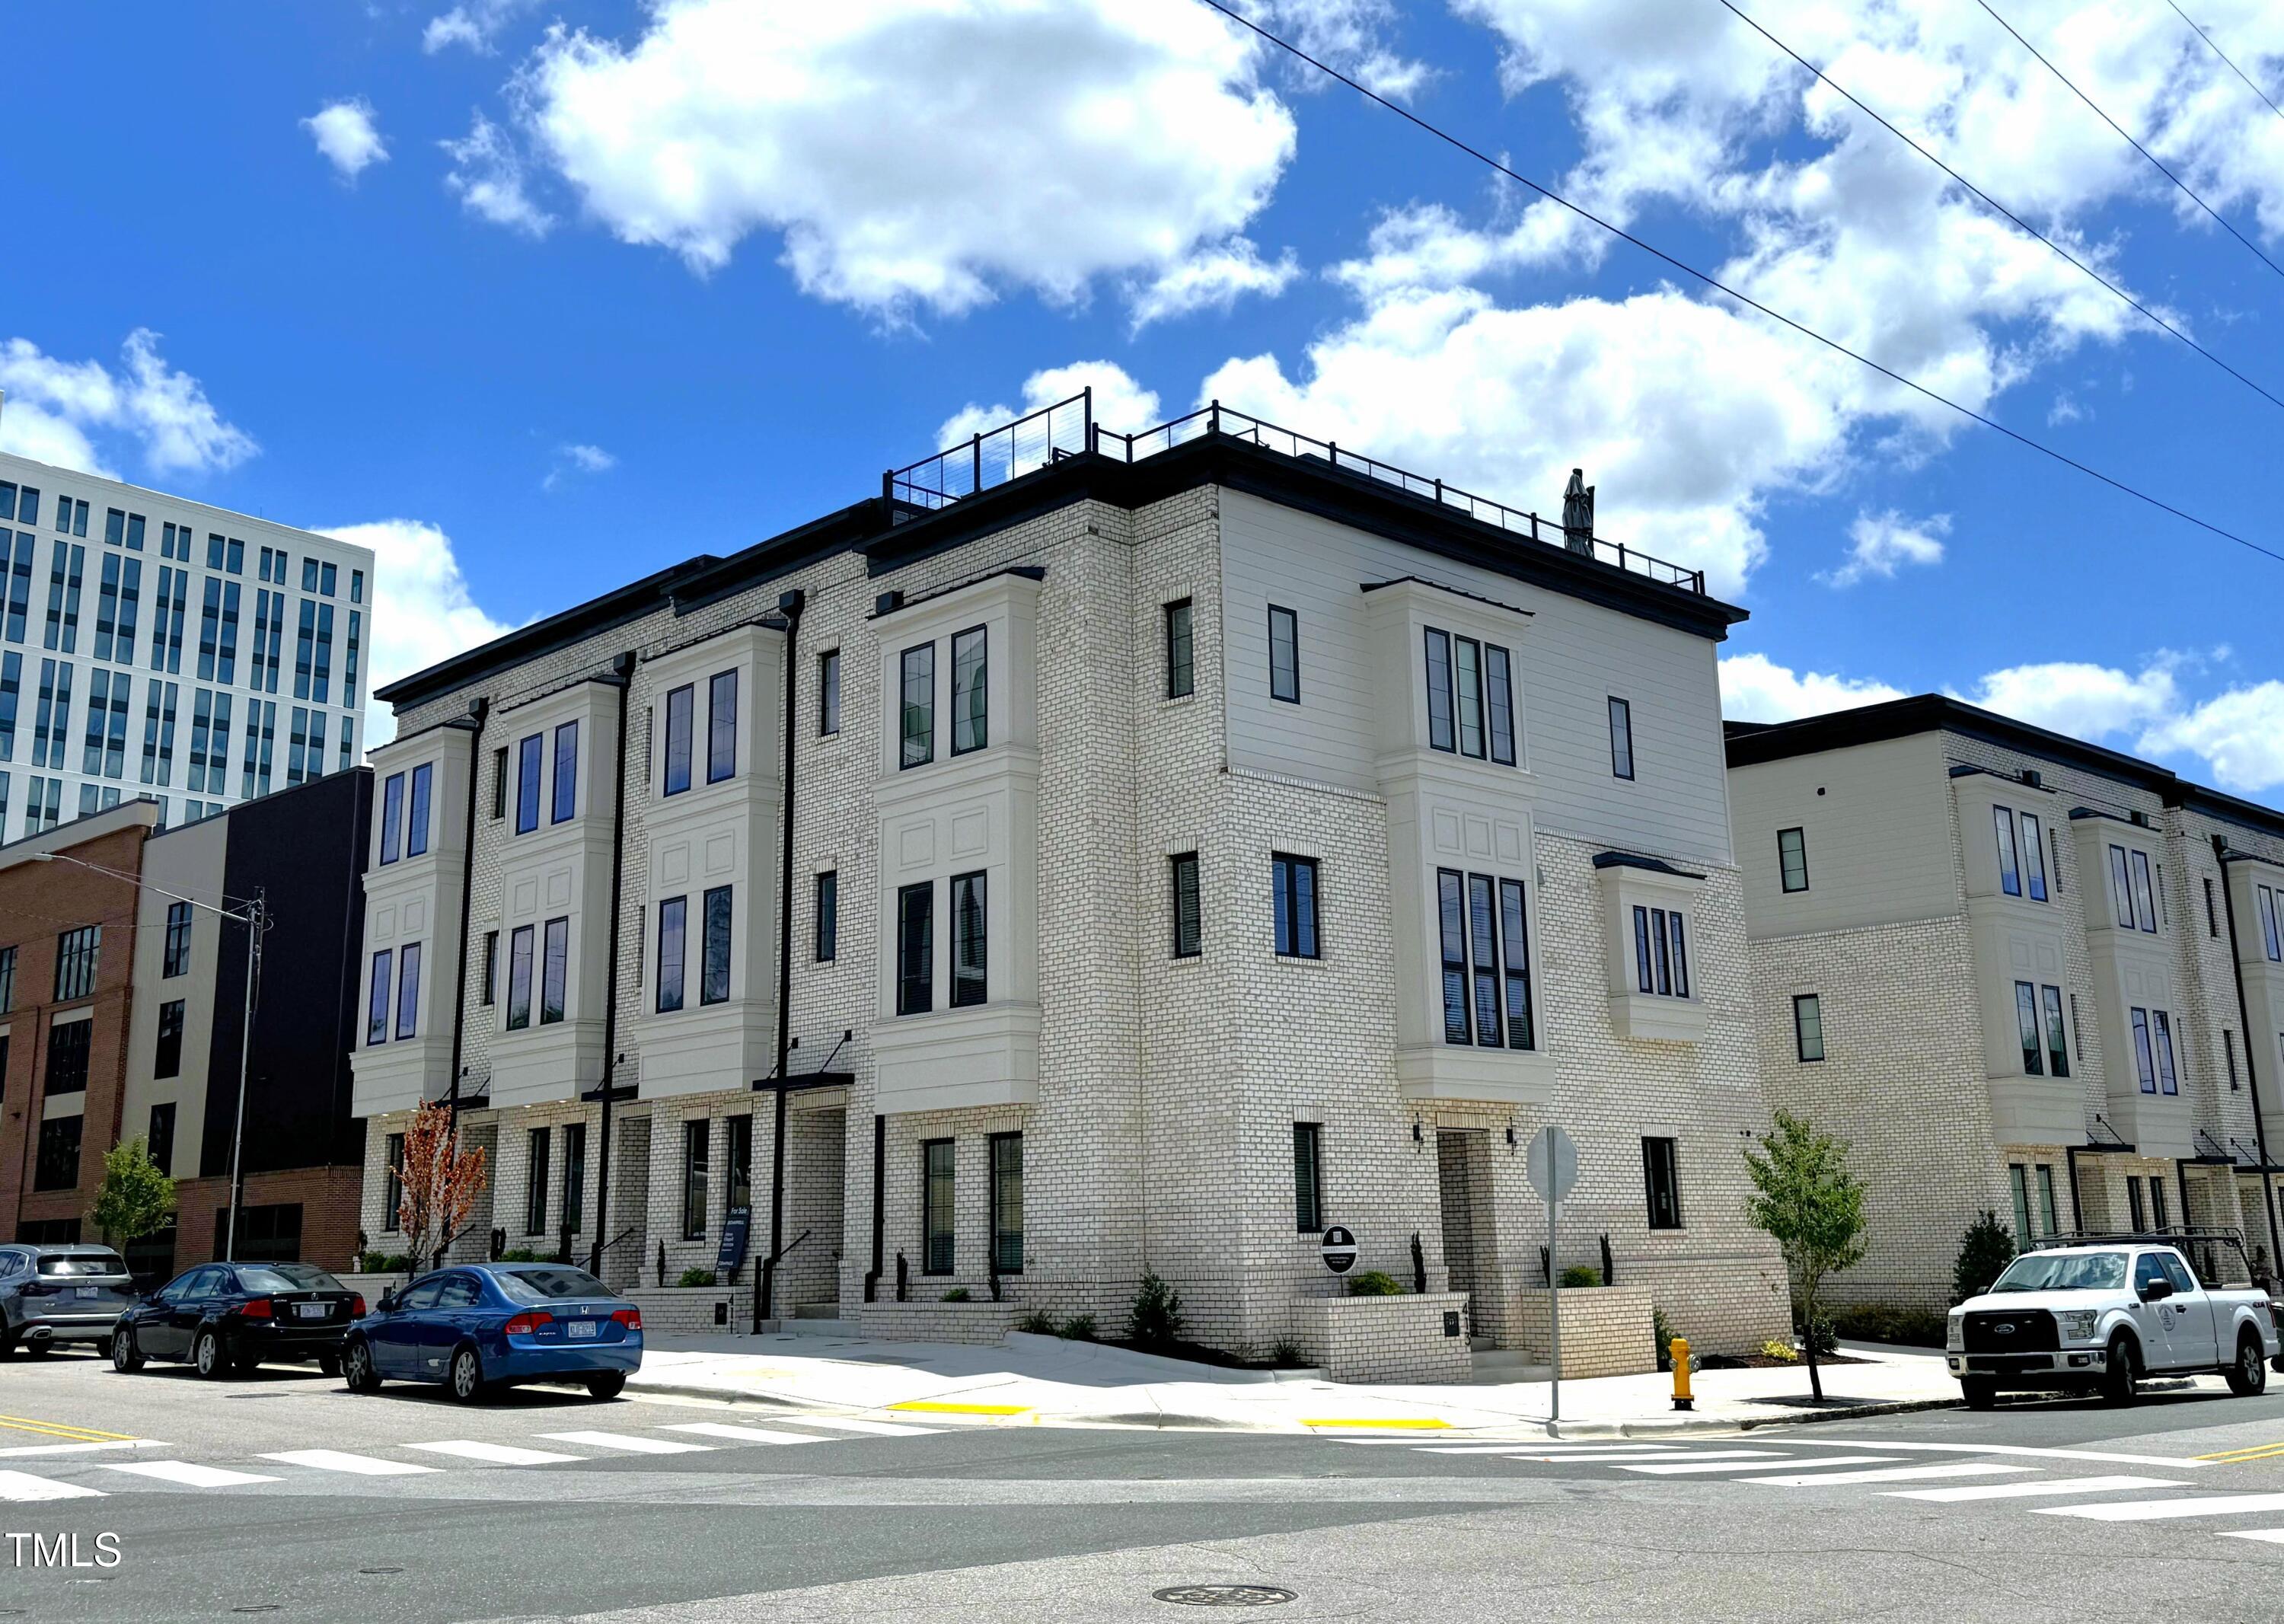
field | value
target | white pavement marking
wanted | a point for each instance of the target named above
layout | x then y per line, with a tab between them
2174	1461
2023	1491
497	1453
1895	1474
24	1486
1576	1450
83	1448
1619	1457
628	1442
1782	1463
2272	1536
2159	1511
188	1475
741	1434
848	1424
339	1460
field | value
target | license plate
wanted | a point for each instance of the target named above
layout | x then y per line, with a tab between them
309	1310
576	1329
84	1290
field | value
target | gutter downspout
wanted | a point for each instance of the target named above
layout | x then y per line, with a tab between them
481	710
623	670
789	605
2251	1071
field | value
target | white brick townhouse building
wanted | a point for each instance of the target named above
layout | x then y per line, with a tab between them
1194	840
2019	971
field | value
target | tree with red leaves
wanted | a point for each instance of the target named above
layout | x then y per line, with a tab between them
441	1183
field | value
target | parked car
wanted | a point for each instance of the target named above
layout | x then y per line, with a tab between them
226	1318
60	1293
2097	1318
478	1328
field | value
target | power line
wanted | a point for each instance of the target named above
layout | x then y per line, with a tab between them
2137	146
2223	55
2001	208
1744	299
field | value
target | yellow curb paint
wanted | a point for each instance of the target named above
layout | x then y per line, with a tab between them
962	1410
2265	1451
61	1429
1408	1422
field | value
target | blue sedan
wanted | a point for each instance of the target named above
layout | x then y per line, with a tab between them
478	1328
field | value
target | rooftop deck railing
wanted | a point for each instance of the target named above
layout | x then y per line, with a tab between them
1068	428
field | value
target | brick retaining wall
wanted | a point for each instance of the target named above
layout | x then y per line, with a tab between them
1409	1338
1607	1331
935	1321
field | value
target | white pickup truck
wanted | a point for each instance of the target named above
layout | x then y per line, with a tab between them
2099	1316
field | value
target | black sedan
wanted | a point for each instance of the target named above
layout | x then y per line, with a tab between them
227	1318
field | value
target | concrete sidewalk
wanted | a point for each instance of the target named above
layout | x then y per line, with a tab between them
1030	1380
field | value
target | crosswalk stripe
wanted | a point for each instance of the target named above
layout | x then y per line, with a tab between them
186	1473
2021	1491
24	1486
497	1453
628	1442
741	1434
1895	1474
1668	1469
2173	1462
1577	1450
2159	1511
1618	1458
849	1423
340	1460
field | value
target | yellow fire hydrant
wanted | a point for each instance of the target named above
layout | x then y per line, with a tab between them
1680	1351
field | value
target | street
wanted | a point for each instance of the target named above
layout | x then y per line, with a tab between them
284	1494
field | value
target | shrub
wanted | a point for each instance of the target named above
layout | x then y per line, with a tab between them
1286	1355
958	1294
524	1254
1373	1282
1078	1328
1662	1332
384	1263
1784	1352
1827	1340
1156	1314
1581	1274
696	1277
1037	1322
1888	1322
1984	1251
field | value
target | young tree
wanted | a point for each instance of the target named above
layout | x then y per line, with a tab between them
134	1198
1804	1196
440	1183
1984	1251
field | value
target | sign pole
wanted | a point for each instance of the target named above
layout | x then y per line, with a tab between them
1555	1311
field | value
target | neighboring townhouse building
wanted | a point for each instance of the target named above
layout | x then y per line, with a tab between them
153	645
2018	973
1091	854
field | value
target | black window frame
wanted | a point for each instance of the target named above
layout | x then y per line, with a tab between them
1179	620
523	964
175	958
563	799
675	756
826	917
963	716
1289	676
167	1057
1287	924
1661	1182
539	1144
555	970
718	913
59	1136
79	963
939	1199
1188	912
722	726
2029	1021
377	1007
1308	1178
915	948
64	1069
1787	859
575	1177
530	760
490	993
158	1142
408	991
1804	1004
1622	739
828	693
916	676
1006	1238
673	916
392	1188
738	1162
697	1173
968	899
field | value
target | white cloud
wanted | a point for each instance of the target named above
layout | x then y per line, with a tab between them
1214	279
422	610
57	410
472	23
2084	700
918	153
1118	401
1350	35
2241	732
345	133
570	460
487	178
1880	543
1755	687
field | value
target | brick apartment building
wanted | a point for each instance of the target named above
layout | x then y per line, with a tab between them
1089	854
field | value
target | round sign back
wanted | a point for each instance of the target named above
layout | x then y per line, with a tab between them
1339	1249
1552	1163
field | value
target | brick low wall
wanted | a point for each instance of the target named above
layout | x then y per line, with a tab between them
690	1310
1387	1339
935	1321
1606	1330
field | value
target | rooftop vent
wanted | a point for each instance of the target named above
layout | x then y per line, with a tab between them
2033	778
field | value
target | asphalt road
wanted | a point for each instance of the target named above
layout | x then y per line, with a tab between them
284	1494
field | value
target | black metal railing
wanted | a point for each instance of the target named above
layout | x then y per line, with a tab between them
1068	428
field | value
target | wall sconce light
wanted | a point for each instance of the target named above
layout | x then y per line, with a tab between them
1510	1138
1416	1139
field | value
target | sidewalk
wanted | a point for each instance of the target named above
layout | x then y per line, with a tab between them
1031	1380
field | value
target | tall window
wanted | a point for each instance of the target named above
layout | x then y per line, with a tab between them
1498	703
416	812
739	1183
1622	739
1442	734
376	1014
1007	1203
78	953
161	1140
672	923
7	980
555	964
721	726
2145	1058
828	916
2272	919
2010	878
1661	1175
697	1149
1660	952
828	692
936	1206
1293	894
491	968
969	954
2026	1018
392	816
1792	858
2169	1081
57	1166
575	1176
678	704
1808	1026
169	1060
1188	923
540	1152
2034	858
520	944
1181	652
565	804
1470	698
408	989
176	959
917	727
2047	1198
1284	655
2135	897
499	783
915	948
714	951
2057	1034
67	1053
971	703
2018	1180
392	1193
1308	1177
526	783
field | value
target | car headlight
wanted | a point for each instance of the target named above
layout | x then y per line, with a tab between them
1954	1332
2076	1325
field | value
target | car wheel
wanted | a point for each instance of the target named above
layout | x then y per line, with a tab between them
1980	1392
466	1379
358	1370
2248	1375
206	1352
126	1358
607	1384
36	1350
2122	1384
329	1364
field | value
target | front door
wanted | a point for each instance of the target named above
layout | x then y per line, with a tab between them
1456	1169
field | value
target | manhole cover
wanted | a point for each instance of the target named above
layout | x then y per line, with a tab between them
1224	1595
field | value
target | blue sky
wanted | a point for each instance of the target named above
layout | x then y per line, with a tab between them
555	294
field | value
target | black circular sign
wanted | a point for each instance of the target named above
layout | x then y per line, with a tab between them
1339	1248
